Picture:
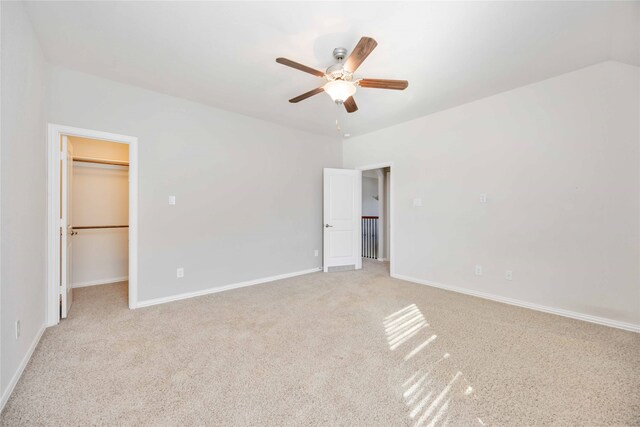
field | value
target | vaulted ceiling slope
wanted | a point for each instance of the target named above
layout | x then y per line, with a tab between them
223	54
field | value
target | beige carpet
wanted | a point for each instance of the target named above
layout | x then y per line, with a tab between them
348	348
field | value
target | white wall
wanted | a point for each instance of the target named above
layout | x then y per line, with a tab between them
100	197
23	193
559	161
369	190
248	192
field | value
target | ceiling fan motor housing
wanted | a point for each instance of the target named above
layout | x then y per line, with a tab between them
337	72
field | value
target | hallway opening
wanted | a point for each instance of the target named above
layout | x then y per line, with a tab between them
376	214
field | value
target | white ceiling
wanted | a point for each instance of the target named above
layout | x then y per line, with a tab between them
223	54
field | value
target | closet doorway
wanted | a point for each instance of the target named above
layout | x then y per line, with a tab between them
93	233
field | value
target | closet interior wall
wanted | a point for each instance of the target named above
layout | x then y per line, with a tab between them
101	203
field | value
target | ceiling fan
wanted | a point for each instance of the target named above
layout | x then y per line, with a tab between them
340	84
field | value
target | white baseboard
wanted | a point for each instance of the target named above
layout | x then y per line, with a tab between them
552	310
23	364
178	297
100	282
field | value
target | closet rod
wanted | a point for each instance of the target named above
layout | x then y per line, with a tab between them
100	161
90	227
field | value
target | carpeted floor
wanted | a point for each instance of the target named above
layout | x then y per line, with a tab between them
348	348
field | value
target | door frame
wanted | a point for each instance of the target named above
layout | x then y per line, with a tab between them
392	225
54	133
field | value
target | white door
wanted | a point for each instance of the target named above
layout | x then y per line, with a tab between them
66	225
342	218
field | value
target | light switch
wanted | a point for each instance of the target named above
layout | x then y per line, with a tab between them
172	200
483	198
417	202
478	270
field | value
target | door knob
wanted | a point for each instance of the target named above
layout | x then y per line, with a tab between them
327	226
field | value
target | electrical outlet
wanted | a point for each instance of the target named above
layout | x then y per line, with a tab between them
508	275
483	198
478	270
316	252
17	329
417	202
172	200
180	272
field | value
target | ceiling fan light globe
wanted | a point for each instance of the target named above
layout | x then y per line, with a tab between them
339	90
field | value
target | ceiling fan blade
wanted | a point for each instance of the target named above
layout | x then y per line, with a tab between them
364	47
297	66
306	95
350	105
384	84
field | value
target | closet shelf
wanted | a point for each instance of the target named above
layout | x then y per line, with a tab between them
100	161
92	227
